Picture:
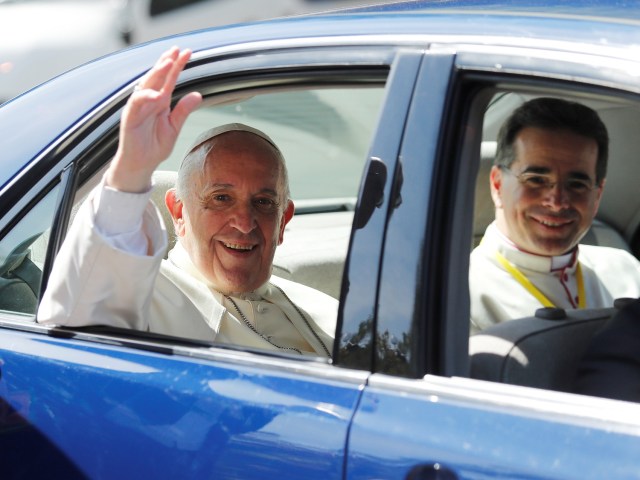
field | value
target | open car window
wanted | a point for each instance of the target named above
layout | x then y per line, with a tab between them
324	135
543	347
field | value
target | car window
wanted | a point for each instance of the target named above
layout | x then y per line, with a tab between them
536	344
324	135
22	257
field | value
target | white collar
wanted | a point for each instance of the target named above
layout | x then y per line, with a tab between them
494	238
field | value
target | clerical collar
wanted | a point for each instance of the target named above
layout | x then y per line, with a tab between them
180	258
567	260
532	261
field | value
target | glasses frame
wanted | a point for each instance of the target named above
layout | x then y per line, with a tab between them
540	182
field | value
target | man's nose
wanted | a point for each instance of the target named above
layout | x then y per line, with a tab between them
244	217
557	196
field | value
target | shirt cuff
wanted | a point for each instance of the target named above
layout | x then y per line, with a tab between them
117	212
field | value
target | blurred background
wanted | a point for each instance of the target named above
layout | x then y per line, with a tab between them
43	38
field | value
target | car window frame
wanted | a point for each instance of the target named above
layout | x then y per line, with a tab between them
474	74
92	141
438	391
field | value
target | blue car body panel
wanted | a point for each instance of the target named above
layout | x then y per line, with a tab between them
429	428
155	416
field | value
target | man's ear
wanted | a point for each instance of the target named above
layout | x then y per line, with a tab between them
495	183
286	217
174	205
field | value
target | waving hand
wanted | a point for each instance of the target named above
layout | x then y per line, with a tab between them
149	127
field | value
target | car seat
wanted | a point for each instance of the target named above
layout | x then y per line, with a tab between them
542	351
20	279
163	180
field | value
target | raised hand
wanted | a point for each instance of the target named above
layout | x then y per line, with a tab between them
149	128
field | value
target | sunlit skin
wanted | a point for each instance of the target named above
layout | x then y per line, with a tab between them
234	216
149	126
549	221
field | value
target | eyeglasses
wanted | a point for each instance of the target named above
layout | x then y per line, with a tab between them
538	183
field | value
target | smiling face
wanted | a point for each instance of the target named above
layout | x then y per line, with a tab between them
537	204
233	217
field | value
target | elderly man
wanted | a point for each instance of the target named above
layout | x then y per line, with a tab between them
229	210
546	185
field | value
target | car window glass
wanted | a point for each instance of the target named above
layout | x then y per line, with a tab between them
22	257
323	134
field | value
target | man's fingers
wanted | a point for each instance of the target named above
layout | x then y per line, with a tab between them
183	109
142	105
176	68
170	53
156	77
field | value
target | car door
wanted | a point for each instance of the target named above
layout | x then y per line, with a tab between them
422	415
100	402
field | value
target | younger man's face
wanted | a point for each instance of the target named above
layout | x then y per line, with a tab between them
545	202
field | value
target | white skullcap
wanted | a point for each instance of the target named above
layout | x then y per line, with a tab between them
229	127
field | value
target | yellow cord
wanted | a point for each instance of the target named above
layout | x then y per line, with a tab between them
533	290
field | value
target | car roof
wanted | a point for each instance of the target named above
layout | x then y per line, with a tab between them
596	9
575	24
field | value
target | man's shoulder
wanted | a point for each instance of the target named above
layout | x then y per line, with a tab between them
609	262
291	288
320	308
606	256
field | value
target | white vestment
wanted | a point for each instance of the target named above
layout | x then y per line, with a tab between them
99	279
496	296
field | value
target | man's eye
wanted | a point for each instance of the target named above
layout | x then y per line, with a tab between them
265	204
215	201
535	181
578	186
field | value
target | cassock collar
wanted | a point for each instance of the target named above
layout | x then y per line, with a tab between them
496	240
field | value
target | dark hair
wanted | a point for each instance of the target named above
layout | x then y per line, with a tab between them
554	114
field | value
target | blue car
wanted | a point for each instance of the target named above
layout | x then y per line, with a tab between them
387	116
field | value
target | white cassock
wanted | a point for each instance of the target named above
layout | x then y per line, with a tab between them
107	278
497	296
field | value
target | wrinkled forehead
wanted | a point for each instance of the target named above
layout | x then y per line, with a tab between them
231	148
237	160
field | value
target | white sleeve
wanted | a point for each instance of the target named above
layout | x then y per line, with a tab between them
93	281
118	217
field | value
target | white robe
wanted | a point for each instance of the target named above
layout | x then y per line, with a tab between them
94	282
496	296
